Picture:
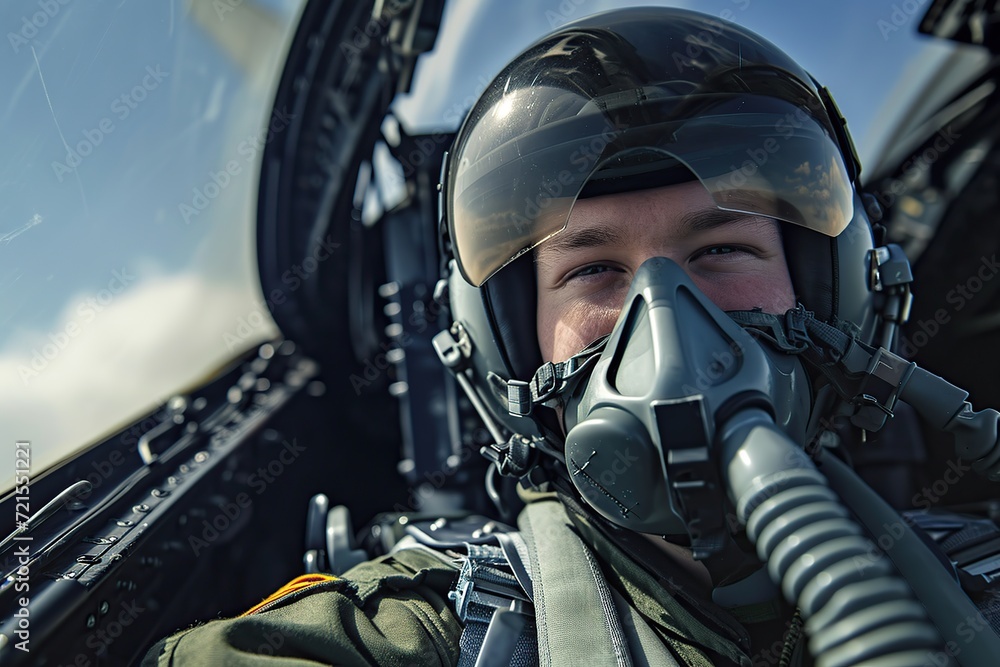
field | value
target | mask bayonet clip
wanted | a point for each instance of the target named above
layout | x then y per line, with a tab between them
881	385
551	380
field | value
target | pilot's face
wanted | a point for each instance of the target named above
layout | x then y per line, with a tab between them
585	271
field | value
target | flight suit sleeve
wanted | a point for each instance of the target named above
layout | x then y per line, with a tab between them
389	611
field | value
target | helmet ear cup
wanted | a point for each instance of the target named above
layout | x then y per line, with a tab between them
499	319
811	257
855	301
830	274
511	302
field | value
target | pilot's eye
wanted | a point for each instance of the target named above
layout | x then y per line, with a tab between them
722	250
591	270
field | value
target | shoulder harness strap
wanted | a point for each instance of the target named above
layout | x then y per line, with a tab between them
575	611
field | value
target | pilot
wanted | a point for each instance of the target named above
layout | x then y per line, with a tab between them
618	188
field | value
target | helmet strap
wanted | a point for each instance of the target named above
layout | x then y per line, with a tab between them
549	382
868	379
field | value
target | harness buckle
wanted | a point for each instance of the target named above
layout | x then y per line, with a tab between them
484	581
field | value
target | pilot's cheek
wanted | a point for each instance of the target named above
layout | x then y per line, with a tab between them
572	333
770	291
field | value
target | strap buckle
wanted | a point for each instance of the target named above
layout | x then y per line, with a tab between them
453	347
788	333
484	581
513	458
795	329
550	380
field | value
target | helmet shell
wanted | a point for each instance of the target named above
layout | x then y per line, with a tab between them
626	99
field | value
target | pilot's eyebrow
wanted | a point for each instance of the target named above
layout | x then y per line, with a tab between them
588	237
706	219
611	235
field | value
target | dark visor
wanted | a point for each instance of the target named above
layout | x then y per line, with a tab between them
754	154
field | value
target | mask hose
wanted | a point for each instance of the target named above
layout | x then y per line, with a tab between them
813	549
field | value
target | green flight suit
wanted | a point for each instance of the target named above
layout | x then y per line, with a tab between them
395	610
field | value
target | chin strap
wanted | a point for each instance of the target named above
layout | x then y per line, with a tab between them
548	383
514	456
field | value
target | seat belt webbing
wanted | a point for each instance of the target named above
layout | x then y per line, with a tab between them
574	610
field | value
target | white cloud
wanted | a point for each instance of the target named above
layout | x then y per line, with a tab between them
155	338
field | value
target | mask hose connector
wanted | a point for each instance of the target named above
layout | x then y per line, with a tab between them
813	547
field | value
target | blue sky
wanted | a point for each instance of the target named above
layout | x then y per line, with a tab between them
859	49
110	300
